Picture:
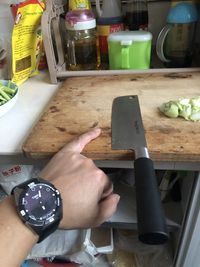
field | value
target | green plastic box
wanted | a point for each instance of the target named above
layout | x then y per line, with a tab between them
129	50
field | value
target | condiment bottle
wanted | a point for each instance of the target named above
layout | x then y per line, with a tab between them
81	40
109	20
136	15
78	4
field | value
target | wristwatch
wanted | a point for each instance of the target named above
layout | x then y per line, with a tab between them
39	205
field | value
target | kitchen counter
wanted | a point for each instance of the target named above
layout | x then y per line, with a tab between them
16	125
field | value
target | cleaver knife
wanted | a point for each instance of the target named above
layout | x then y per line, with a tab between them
128	133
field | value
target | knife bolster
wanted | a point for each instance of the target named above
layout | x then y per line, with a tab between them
141	152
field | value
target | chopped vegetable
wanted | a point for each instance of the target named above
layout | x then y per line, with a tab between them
188	108
170	109
6	92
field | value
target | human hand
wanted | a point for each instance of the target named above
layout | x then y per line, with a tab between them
87	193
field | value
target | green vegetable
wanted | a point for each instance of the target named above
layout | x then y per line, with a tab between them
188	108
195	116
185	111
170	109
6	92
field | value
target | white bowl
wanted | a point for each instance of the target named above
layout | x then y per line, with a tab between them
4	108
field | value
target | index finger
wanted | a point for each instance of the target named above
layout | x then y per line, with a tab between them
78	144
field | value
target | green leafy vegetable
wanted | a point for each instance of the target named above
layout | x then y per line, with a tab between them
188	108
6	92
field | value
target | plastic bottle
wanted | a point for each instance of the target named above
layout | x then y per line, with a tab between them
175	42
109	8
78	4
109	20
136	15
81	40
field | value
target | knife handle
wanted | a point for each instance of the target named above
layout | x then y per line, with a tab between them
150	214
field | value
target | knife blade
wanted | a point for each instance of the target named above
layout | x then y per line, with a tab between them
128	133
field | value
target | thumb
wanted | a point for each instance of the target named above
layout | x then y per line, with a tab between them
107	207
78	144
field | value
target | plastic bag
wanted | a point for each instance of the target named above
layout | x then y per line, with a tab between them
60	242
146	255
122	258
12	175
92	253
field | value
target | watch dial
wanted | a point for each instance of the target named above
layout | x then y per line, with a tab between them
40	201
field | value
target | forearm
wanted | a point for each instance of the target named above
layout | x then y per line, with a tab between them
72	174
16	239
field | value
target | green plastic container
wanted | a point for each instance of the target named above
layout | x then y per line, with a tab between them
129	50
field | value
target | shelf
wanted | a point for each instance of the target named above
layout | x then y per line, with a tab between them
53	27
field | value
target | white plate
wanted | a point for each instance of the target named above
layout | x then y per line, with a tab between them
10	103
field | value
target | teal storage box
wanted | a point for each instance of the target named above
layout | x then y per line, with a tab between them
129	50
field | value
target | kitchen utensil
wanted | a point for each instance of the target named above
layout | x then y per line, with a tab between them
129	50
128	133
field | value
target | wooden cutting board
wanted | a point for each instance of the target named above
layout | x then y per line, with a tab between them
85	102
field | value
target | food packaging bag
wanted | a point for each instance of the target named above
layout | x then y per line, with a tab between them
27	43
12	175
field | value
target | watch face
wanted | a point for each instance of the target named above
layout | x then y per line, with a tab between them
39	202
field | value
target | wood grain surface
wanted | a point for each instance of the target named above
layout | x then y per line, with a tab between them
85	102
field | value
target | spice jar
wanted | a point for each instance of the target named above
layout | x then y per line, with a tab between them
81	40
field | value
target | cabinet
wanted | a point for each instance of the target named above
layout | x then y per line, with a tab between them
180	211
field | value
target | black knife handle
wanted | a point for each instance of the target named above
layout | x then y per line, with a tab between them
152	227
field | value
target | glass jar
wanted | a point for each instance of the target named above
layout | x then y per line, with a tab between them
81	40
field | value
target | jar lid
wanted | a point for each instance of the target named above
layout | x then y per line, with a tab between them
136	36
80	20
183	13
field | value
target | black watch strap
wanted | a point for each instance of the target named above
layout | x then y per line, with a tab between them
44	233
